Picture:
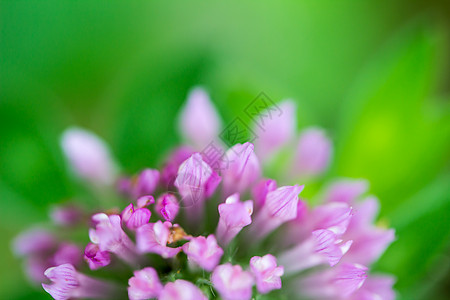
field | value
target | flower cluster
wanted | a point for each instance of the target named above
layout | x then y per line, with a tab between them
205	228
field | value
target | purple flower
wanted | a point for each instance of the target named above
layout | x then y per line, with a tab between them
266	272
334	216
144	284
33	241
167	206
109	236
321	247
153	238
234	215
181	290
66	215
67	283
199	121
335	283
242	169
195	181
95	258
313	153
376	287
145	201
324	247
88	156
369	241
67	253
203	252
277	132
346	190
232	282
260	191
146	183
135	218
170	170
280	206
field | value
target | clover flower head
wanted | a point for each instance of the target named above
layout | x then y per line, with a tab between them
208	224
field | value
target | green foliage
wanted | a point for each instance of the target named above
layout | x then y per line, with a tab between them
372	74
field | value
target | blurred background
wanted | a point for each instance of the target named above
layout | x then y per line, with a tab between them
375	74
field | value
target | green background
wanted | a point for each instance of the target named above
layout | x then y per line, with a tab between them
375	74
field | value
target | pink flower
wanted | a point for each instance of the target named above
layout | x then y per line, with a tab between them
369	241
334	283
199	121
181	290
234	215
260	191
376	287
167	206
280	207
135	218
204	252
67	253
95	258
170	170
144	284
33	241
241	169
346	190
313	153
67	283
153	238
278	131
146	183
232	282
266	272
195	181
145	201
66	215
89	156
109	236
334	216
324	247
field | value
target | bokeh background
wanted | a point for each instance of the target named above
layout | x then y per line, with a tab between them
375	74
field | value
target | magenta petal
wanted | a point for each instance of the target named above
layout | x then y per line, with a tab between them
232	282
334	216
346	190
266	272
280	207
127	212
145	284
147	183
349	278
138	218
96	258
181	290
313	153
153	237
199	121
65	281
329	246
376	287
242	169
167	206
204	252
192	179
234	215
145	201
88	156
67	253
33	241
278	131
261	189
